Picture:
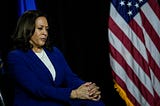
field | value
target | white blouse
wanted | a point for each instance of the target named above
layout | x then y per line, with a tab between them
44	58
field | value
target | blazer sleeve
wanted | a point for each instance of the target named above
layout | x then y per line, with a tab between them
71	79
25	78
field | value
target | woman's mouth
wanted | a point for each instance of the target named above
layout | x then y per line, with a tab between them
43	39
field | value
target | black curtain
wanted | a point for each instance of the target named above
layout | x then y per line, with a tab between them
79	28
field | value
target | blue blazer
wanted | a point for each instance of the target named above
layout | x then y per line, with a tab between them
34	85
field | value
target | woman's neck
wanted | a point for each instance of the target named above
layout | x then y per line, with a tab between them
37	49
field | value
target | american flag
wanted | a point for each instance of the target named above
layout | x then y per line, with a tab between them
134	42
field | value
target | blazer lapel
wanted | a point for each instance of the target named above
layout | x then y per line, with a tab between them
56	65
39	66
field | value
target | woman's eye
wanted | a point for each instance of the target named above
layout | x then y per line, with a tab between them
40	28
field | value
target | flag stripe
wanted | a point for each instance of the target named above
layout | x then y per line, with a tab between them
122	24
130	73
127	43
130	85
152	18
155	82
123	86
150	31
153	53
155	8
148	42
134	25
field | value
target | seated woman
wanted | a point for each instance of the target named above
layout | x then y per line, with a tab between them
40	72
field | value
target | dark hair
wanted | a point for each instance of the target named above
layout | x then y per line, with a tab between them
25	29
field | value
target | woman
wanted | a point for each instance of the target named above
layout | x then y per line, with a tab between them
40	73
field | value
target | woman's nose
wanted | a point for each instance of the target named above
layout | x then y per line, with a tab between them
45	32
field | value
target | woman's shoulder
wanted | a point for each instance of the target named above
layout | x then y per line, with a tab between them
56	51
13	55
15	51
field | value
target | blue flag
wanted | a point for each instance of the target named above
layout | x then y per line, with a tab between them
26	5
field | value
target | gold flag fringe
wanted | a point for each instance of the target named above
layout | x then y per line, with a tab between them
122	94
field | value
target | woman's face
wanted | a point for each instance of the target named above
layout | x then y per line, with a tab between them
40	35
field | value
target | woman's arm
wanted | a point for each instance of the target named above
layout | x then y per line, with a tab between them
22	74
81	89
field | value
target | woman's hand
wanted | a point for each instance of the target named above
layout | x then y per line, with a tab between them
87	90
94	92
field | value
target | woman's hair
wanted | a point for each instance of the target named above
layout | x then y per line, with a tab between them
25	29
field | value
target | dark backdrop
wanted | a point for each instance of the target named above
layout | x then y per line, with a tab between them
79	28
